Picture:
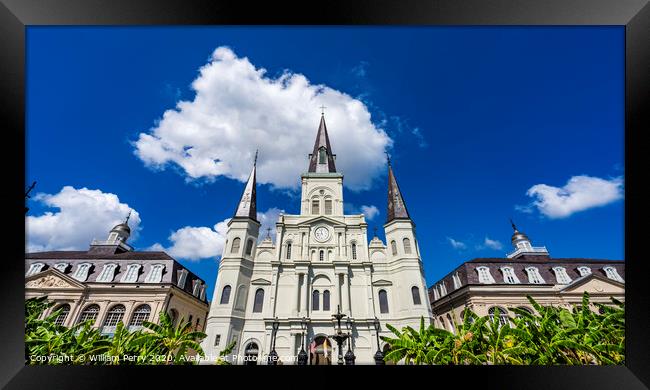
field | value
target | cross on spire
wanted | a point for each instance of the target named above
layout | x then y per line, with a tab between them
513	225
375	230
322	109
128	216
268	232
255	162
387	157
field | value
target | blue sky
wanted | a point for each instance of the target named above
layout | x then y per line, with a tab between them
473	117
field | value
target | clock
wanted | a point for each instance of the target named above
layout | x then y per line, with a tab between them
322	233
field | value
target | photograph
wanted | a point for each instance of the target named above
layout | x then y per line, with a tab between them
325	195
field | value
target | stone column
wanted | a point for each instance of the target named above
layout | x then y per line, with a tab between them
297	296
337	292
345	307
305	308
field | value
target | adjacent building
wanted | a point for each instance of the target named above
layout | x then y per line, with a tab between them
111	283
319	262
485	284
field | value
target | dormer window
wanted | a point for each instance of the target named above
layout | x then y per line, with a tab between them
34	269
196	287
561	276
484	275
61	267
182	277
131	274
612	273
533	276
81	274
457	282
155	273
108	273
509	275
584	271
202	293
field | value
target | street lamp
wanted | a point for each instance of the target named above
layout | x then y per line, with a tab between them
302	355
349	355
339	337
379	356
273	356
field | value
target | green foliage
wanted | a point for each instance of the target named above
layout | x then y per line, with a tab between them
163	343
552	336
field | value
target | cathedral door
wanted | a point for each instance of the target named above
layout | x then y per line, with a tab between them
320	351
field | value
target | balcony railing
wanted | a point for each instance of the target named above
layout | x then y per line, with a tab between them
535	251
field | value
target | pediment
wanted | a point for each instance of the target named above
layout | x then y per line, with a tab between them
382	282
595	284
261	281
321	219
52	278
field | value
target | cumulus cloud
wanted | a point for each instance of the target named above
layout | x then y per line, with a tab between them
196	243
238	108
370	211
492	244
456	244
82	216
578	194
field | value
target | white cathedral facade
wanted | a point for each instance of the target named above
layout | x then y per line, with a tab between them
321	262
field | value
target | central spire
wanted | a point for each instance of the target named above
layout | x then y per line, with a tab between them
247	207
321	160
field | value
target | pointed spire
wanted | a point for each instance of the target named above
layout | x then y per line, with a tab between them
247	207
127	217
322	159
396	206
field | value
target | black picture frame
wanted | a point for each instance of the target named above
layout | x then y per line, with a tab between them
16	15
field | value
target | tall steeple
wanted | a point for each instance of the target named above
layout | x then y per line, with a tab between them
247	207
321	160
396	206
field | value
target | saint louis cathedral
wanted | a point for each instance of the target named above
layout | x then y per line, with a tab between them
278	297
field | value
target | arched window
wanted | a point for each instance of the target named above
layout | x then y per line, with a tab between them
450	322
484	275
328	206
407	245
321	255
251	352
259	300
240	300
90	313
249	247
612	273
225	295
503	315
322	155
354	251
315	207
524	308
584	271
509	275
61	267
288	250
114	315
533	275
140	315
315	297
326	300
65	310
383	301
235	245
393	247
561	276
415	292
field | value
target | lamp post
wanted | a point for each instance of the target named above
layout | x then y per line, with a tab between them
379	356
302	355
339	337
349	355
273	356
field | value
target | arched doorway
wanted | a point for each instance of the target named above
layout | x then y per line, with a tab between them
320	351
251	353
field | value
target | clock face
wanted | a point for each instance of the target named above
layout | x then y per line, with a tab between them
322	233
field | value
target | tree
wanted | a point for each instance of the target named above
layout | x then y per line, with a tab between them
174	341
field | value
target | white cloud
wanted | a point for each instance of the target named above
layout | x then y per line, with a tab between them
237	109
370	211
83	216
580	193
196	243
456	244
492	244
